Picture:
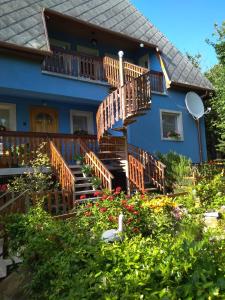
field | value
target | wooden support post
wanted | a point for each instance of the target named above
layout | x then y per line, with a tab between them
121	73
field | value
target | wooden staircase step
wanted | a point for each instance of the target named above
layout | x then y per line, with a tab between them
83	192
83	178
111	158
77	172
109	152
152	189
75	166
79	185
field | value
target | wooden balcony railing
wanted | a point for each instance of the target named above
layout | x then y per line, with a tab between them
136	173
157	82
154	169
98	168
131	71
74	64
19	147
61	169
124	103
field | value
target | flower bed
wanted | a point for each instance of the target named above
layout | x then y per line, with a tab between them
165	252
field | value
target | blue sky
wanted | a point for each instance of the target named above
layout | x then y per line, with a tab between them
186	23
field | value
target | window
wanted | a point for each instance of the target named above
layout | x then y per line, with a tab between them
60	44
171	125
87	50
7	116
81	122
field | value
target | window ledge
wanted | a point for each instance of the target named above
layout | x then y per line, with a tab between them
83	79
172	139
159	93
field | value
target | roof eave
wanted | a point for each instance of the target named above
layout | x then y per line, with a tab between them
95	26
189	86
24	49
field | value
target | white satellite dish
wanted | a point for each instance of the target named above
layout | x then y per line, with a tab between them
194	105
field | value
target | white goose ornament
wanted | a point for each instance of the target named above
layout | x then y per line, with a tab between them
113	235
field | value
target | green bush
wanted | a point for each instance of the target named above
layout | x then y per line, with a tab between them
177	168
165	253
211	193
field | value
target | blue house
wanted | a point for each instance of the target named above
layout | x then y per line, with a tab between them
61	80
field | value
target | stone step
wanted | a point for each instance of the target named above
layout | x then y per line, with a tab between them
77	172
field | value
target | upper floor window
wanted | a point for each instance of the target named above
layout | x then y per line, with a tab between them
60	44
171	125
87	50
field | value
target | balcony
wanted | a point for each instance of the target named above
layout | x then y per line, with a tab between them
92	68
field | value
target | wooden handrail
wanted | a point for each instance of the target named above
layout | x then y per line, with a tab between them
136	173
62	170
15	204
123	103
99	169
154	169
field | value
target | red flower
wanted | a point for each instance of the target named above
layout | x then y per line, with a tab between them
110	198
88	213
135	230
129	220
97	204
135	212
127	196
118	190
83	197
103	209
111	218
97	193
104	197
124	202
3	187
130	208
89	205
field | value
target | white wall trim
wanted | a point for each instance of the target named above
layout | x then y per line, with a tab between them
12	113
88	114
180	125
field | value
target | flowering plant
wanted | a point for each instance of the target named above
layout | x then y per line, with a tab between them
173	134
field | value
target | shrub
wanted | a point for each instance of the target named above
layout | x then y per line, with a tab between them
165	253
177	168
37	180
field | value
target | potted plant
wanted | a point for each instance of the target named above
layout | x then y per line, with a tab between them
174	135
96	182
79	159
86	170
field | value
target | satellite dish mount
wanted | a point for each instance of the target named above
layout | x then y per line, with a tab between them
195	107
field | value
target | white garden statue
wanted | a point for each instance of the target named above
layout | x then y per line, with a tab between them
113	235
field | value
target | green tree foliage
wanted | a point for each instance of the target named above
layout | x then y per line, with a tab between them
216	120
195	59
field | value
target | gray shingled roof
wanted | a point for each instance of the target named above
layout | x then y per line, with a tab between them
21	24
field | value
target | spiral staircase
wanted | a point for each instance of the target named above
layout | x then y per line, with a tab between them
129	99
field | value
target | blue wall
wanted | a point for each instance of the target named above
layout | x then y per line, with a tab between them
146	132
25	75
23	112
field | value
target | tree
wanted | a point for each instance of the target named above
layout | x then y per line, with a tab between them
215	122
195	59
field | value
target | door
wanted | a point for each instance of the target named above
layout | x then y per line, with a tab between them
44	119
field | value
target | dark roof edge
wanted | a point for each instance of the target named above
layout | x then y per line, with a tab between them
189	86
122	35
28	50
